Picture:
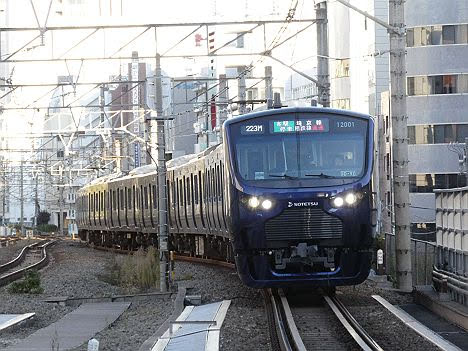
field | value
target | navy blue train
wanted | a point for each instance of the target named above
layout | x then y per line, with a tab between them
287	196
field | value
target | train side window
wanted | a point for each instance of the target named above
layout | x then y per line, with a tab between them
155	195
181	195
195	183
189	192
218	182
129	198
213	184
145	192
122	199
118	200
174	194
102	201
185	192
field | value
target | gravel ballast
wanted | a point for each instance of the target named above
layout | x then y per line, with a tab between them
75	270
245	326
7	253
386	329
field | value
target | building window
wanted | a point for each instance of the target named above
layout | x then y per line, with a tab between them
439	84
437	35
438	134
342	68
426	183
341	104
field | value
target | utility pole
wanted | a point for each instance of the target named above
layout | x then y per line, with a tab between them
207	117
397	32
21	197
3	191
269	86
221	116
241	89
400	143
162	201
322	53
36	202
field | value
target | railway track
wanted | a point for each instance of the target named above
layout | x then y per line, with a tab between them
309	323
176	257
33	256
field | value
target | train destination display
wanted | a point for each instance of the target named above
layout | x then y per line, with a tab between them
289	125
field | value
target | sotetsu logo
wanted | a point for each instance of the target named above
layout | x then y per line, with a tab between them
302	204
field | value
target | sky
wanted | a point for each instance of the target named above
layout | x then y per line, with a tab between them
28	13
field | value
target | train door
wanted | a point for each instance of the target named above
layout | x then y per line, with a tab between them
213	198
221	189
155	199
218	197
208	199
125	209
201	202
104	202
180	207
195	213
143	204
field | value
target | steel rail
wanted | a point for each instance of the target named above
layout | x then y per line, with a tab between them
284	335
8	278
359	334
177	257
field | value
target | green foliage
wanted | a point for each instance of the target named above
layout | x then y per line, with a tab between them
43	217
139	271
47	228
31	284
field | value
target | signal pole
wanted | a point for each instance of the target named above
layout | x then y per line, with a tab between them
400	144
21	197
161	167
397	32
323	76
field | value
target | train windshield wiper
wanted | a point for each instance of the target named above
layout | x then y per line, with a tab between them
283	175
321	175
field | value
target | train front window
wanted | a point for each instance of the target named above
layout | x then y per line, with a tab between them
281	155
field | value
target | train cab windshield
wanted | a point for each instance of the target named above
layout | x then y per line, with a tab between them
304	150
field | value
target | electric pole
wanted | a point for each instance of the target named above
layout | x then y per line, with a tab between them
241	89
21	197
162	203
221	116
323	76
269	86
400	143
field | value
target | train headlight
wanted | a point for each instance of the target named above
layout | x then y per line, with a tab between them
338	201
350	199
254	202
266	204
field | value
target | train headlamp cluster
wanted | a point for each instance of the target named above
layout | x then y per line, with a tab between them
349	199
254	202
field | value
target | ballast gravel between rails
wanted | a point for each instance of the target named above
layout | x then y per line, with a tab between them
8	278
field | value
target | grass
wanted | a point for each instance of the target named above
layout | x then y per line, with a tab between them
31	284
137	272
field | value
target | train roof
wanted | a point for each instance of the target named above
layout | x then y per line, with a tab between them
296	110
148	169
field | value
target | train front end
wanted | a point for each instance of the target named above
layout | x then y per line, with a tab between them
299	196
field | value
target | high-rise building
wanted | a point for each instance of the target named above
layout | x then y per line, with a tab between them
437	88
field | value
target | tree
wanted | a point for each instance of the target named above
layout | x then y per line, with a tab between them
43	217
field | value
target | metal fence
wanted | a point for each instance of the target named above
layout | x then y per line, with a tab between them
423	255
